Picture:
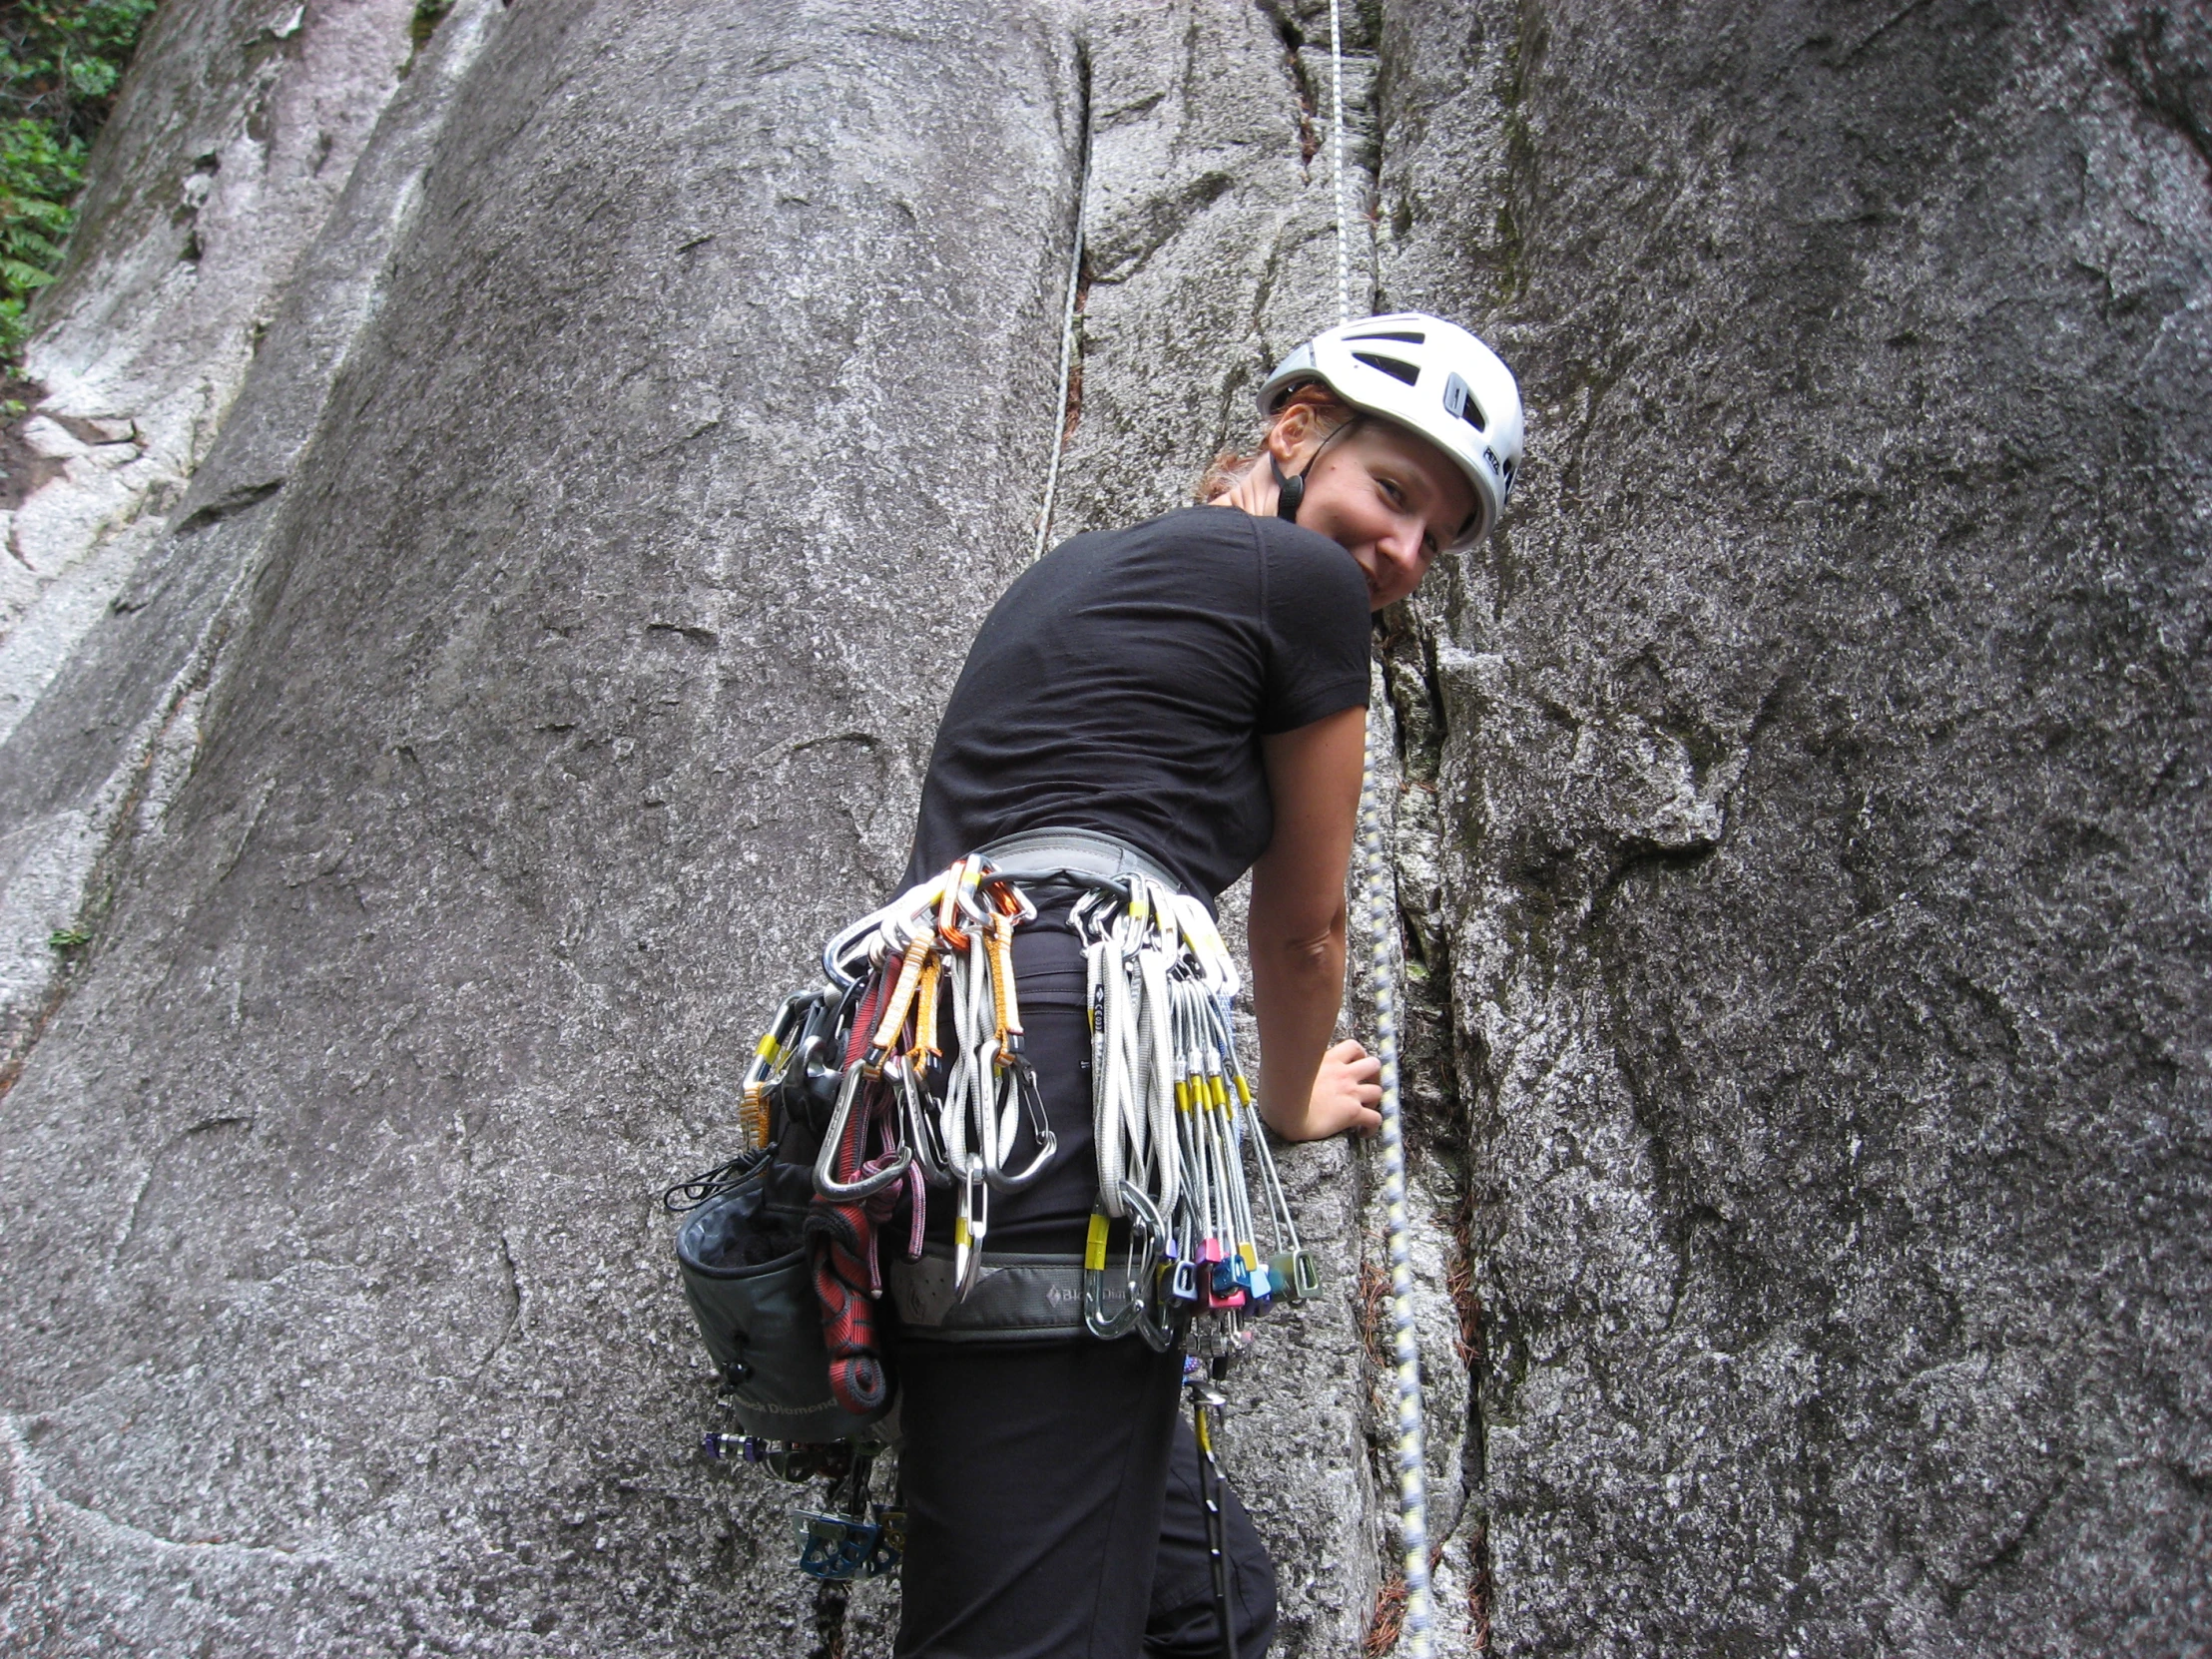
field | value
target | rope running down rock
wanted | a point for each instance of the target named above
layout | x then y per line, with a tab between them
1379	902
1067	352
1380	912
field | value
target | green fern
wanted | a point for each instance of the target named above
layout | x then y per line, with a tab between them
61	63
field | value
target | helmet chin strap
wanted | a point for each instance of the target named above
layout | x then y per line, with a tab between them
1290	492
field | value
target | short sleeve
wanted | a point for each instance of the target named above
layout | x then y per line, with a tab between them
1315	605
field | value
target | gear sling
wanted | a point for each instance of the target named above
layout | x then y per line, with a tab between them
903	1078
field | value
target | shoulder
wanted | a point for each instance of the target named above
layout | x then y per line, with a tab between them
1196	527
1210	558
1280	545
1307	566
1231	559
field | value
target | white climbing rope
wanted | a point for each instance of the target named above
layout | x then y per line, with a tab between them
1067	354
1380	912
1380	901
1337	170
1379	904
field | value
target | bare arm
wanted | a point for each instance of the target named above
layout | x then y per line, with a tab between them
1309	1090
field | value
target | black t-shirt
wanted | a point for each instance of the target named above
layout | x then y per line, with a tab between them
1123	682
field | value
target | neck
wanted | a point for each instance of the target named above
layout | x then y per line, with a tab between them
1255	492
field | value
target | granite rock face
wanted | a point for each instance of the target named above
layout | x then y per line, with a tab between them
233	140
1820	757
532	647
568	675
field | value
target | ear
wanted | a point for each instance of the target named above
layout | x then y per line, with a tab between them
1293	436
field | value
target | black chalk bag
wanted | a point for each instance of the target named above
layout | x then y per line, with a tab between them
752	1289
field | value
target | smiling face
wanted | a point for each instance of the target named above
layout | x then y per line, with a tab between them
1389	499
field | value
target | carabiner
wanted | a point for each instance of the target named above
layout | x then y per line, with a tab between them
1145	1224
920	1133
1022	1078
825	1162
1017	906
973	871
971	1227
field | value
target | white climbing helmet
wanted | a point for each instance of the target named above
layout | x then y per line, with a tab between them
1430	376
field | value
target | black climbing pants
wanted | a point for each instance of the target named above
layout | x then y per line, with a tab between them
1054	1510
1053	1503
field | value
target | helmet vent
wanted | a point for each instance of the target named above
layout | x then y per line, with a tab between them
1460	400
1396	370
1409	340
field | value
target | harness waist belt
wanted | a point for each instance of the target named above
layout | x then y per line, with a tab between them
1016	1298
1034	854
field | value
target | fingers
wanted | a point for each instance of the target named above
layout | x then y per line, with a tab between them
1348	1092
1352	1107
1358	1120
1364	1075
1354	1059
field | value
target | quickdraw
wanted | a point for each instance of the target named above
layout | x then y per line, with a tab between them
950	936
1173	1120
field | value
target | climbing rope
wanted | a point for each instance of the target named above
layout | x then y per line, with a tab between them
1067	352
1379	909
1379	904
1337	170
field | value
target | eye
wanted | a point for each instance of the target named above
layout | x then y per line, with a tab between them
1392	489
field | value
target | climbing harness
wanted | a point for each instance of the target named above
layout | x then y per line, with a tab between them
904	1074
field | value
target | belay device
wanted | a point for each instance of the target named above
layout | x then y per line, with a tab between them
904	1074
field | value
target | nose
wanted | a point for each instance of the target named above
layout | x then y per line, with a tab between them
1402	546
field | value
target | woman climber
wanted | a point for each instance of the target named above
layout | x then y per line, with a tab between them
1182	701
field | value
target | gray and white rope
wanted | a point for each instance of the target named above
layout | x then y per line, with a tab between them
1380	906
1067	353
